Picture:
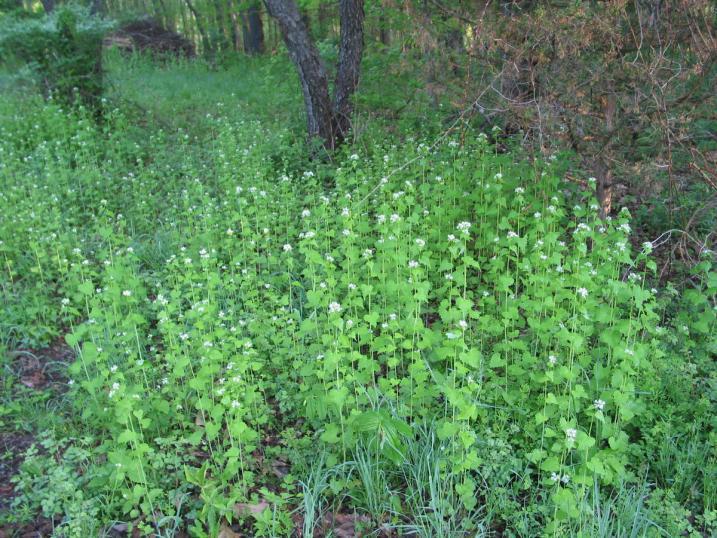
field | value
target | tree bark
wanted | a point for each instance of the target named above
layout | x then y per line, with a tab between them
206	42
253	30
312	74
330	121
48	6
350	52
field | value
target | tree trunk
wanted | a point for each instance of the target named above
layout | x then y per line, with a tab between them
48	6
234	29
312	74
253	30
220	35
325	119
206	42
347	75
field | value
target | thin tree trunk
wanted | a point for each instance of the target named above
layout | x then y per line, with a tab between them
235	32
206	42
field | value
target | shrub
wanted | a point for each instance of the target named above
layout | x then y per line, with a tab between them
63	51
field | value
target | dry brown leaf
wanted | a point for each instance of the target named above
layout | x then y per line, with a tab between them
344	525
243	509
226	532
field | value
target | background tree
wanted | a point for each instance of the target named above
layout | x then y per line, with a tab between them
327	120
253	29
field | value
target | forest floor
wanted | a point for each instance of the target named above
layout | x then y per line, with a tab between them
209	333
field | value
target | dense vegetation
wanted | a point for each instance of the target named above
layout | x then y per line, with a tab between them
210	329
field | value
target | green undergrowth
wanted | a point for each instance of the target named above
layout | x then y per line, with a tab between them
433	337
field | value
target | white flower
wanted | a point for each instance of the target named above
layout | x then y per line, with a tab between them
420	242
305	213
512	235
452	336
65	301
381	219
449	276
127	293
554	477
451	238
287	247
463	324
208	344
349	323
183	336
582	292
552	359
519	190
599	404
113	368
345	212
395	217
346	232
230	231
463	227
537	214
413	264
565	479
571	434
354	157
352	286
334	308
647	246
582	227
235	404
367	253
629	352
